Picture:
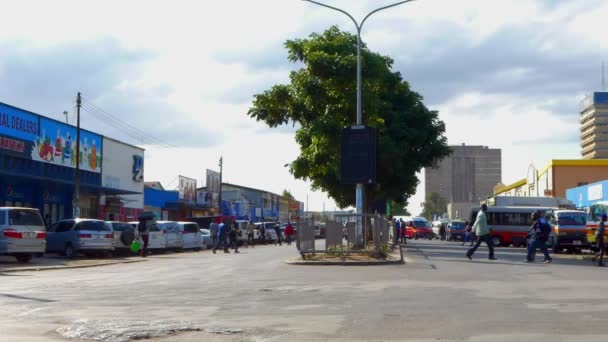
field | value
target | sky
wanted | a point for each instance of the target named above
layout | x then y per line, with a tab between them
504	74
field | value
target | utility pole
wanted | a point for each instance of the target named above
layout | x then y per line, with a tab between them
220	194
77	176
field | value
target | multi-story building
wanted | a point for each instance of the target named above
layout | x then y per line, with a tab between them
466	177
594	126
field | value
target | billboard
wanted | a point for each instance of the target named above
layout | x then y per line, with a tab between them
213	181
18	130
56	144
28	135
187	189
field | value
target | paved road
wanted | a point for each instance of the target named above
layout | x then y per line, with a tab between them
254	296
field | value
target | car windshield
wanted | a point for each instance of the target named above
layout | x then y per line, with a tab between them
121	227
24	217
420	224
458	225
92	225
596	211
571	220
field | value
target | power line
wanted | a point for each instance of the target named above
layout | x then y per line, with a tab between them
126	128
126	125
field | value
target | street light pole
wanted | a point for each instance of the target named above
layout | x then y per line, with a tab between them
360	189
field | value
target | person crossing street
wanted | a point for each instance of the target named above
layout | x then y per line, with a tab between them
483	233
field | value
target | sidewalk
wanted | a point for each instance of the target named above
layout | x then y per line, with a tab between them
9	264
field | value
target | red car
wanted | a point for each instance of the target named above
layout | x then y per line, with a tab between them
418	227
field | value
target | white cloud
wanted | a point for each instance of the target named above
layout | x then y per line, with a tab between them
505	74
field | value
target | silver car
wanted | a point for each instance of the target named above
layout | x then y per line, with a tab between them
22	233
88	236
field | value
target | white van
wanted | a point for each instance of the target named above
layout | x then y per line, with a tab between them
174	239
22	233
156	239
191	235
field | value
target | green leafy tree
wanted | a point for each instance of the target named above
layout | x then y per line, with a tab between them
321	100
287	194
434	204
399	209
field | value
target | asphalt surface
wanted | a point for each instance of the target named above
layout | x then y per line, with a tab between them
255	296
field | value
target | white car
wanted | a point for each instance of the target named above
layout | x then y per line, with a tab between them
123	236
174	239
191	234
22	233
156	239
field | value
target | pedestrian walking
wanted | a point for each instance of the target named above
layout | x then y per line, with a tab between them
483	233
289	232
213	230
263	232
537	237
442	231
143	230
468	233
277	230
397	231
250	233
599	240
403	232
234	234
221	242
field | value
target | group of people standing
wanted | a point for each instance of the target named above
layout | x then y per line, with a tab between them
226	234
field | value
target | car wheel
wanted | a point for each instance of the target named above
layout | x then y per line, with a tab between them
127	237
24	258
68	251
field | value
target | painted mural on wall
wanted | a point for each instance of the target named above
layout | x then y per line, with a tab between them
18	130
56	144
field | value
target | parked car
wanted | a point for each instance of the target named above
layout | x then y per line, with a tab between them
191	234
86	236
174	239
123	237
22	233
320	230
207	240
243	227
268	227
455	230
156	239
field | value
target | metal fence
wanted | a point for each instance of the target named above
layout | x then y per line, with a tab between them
348	233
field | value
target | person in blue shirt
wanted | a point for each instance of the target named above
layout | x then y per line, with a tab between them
221	243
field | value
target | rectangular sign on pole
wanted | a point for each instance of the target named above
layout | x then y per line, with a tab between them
358	155
187	189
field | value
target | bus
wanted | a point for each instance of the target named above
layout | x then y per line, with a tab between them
510	225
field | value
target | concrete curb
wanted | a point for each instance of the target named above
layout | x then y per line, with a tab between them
51	268
343	263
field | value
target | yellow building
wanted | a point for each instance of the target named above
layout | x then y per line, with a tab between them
555	178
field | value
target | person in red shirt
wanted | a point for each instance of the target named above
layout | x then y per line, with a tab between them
289	232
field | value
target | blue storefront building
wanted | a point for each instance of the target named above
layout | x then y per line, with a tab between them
37	165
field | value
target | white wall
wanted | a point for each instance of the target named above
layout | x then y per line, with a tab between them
117	171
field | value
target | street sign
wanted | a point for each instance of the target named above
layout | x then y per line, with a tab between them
358	155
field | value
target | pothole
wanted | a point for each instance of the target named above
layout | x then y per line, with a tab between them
122	331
